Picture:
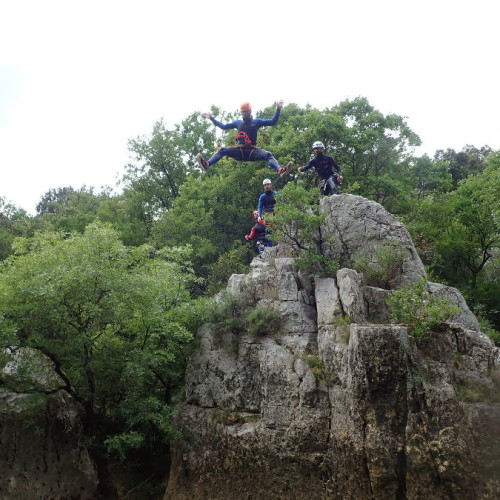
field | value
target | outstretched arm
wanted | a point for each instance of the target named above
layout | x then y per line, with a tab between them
306	167
217	123
273	121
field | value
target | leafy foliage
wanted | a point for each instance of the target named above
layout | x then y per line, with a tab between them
212	214
159	169
228	311
238	313
458	235
14	222
262	321
381	266
463	164
235	261
298	220
421	312
297	224
100	312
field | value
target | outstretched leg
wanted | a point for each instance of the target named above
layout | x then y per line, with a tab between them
263	155
284	170
232	152
243	154
202	162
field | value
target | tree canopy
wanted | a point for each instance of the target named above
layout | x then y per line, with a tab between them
109	287
102	313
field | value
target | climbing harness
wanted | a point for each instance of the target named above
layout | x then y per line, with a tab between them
244	147
243	135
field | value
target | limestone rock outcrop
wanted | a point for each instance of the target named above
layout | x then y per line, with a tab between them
43	453
340	403
357	227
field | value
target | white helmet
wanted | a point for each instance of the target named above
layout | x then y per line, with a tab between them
318	144
266	181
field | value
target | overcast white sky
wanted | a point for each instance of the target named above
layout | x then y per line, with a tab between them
80	78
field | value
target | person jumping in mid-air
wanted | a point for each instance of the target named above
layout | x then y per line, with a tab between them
246	149
325	166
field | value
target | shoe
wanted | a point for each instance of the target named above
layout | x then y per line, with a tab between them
283	170
202	162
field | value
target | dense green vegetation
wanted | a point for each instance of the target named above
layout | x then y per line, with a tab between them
105	315
415	307
110	287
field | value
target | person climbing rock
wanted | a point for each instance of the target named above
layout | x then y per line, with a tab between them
259	233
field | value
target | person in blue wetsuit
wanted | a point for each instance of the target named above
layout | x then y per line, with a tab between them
327	168
267	200
246	139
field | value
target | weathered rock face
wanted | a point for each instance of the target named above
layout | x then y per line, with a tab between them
336	408
43	454
45	457
358	227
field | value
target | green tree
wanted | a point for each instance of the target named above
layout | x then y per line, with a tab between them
69	209
297	225
374	150
366	142
374	143
102	313
476	206
478	225
161	164
14	222
212	215
127	218
429	176
458	236
469	161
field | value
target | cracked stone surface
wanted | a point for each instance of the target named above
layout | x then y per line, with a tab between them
357	227
340	403
43	452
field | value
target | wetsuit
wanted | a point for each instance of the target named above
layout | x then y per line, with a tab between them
246	150
325	166
266	203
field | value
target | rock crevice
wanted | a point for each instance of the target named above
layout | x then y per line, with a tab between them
340	403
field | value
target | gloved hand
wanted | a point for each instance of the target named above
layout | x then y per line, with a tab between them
300	169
